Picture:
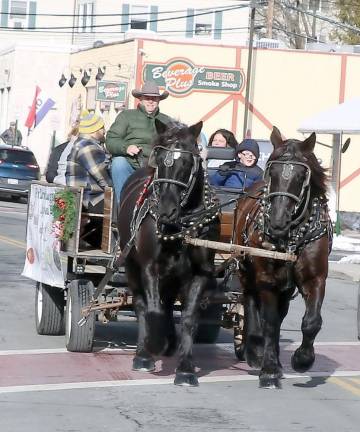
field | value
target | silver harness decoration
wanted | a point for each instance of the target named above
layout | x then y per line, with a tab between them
190	225
309	222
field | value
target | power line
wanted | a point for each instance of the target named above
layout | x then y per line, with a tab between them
117	24
288	32
322	17
212	9
55	33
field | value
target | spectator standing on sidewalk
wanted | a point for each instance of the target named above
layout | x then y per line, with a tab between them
12	135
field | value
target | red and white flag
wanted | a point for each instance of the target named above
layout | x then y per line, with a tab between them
41	105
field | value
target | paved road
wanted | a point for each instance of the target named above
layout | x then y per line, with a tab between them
44	388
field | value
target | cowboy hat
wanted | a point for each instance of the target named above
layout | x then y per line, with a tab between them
150	88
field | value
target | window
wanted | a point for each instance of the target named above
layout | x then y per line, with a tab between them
139	17
317	6
17	156
86	17
18	9
203	24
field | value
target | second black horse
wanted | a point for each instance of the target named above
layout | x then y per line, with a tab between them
160	205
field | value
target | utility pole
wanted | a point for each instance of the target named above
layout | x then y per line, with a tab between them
269	18
315	8
249	66
74	23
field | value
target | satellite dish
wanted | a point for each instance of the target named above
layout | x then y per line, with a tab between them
345	145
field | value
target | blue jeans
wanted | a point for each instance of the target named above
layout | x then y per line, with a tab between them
120	172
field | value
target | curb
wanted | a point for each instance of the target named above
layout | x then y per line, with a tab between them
350	272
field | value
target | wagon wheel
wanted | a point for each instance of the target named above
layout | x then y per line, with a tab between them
239	346
79	338
49	310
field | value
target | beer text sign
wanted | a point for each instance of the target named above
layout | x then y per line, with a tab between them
180	77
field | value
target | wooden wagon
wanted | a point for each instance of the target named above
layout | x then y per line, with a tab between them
72	305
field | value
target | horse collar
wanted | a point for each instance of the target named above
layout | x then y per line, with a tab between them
314	226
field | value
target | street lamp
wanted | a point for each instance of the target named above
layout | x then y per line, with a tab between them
85	78
62	80
72	80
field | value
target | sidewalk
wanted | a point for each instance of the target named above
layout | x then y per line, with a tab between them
349	266
347	271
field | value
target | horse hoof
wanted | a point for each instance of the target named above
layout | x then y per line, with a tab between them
143	364
301	361
186	379
269	382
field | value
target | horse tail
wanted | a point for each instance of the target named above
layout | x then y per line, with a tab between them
157	341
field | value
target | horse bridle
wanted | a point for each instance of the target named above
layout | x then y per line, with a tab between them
301	201
169	162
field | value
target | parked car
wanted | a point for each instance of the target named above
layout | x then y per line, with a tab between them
18	167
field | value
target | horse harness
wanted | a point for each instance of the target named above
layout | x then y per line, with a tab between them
148	202
309	222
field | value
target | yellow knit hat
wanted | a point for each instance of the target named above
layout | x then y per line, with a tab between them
90	122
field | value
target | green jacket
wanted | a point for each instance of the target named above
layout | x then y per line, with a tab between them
133	126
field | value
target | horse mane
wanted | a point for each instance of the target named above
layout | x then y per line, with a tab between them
173	128
292	151
180	132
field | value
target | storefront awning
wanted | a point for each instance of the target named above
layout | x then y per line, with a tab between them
343	118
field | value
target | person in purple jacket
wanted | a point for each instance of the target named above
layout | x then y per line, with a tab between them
243	171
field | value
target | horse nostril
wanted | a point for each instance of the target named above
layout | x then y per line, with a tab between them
168	215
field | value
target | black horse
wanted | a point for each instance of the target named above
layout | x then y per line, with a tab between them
290	215
161	204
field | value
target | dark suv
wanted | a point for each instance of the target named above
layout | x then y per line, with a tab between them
18	167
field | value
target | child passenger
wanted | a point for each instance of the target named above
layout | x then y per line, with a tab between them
243	171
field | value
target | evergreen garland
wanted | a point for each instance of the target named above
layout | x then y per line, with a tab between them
64	213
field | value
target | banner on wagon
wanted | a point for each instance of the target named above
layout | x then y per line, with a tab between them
42	260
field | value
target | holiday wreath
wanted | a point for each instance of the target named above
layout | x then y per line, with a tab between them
64	213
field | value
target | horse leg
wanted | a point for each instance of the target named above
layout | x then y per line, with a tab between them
143	360
271	371
171	330
253	333
185	371
314	291
156	340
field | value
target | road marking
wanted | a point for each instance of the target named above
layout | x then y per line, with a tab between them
12	242
345	385
224	346
61	351
355	380
167	381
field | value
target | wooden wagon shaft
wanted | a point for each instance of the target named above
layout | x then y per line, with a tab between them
101	306
240	250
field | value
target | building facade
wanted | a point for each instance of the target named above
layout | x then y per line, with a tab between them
208	82
87	22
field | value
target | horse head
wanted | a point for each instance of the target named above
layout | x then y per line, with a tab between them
292	176
177	163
